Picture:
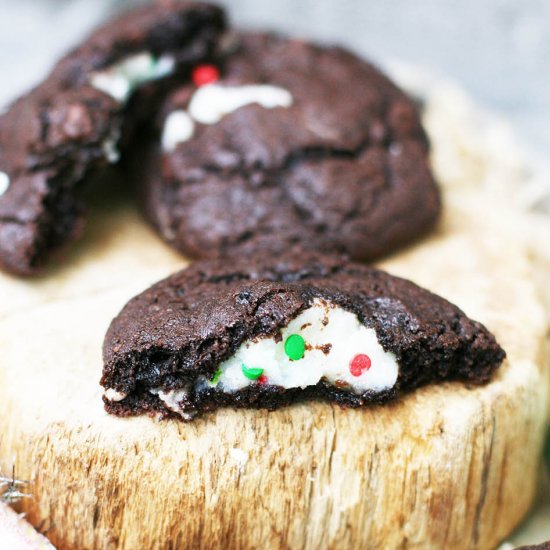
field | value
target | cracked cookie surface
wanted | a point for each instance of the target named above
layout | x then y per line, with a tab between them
266	332
338	164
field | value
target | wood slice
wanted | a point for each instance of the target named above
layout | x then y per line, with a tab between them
444	467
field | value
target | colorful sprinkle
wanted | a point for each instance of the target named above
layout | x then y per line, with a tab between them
216	377
251	373
295	347
205	74
359	364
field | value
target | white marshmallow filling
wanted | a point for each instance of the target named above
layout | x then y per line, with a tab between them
121	79
210	103
4	183
323	343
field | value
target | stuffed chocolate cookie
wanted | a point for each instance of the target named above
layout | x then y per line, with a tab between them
289	142
264	333
57	135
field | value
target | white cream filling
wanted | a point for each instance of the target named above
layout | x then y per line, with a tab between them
179	127
112	395
172	400
210	103
4	182
333	337
121	79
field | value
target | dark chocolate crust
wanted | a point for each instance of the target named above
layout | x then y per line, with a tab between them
185	325
54	137
345	168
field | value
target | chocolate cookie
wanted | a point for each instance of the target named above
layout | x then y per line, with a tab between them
73	123
266	332
288	142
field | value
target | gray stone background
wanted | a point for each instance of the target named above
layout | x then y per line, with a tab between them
498	50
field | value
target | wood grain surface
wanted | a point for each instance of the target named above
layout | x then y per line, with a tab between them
445	467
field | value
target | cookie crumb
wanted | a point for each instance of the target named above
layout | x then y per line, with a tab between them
325	348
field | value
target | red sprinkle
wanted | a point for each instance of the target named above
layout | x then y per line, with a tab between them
263	379
359	364
205	74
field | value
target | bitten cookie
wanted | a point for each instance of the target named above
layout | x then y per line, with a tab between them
267	332
71	124
289	142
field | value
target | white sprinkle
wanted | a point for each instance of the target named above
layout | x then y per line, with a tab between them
240	457
113	395
4	182
212	102
179	127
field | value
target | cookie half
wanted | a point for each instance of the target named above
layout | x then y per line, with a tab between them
267	332
75	121
289	142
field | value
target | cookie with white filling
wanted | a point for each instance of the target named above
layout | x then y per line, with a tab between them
289	142
267	332
76	121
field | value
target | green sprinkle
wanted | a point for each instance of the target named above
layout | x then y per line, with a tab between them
251	374
216	377
295	347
